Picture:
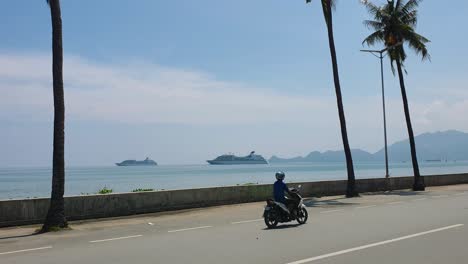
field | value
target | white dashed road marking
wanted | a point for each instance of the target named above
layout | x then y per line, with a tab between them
247	221
364	207
373	245
116	238
331	211
395	203
188	229
25	250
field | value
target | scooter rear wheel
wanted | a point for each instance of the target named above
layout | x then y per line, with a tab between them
270	220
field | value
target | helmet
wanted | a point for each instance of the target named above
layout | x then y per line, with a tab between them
280	175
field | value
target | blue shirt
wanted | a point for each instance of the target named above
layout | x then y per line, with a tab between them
278	191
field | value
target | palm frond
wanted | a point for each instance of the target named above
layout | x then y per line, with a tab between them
411	5
373	38
397	54
332	3
410	18
398	4
375	25
374	10
418	43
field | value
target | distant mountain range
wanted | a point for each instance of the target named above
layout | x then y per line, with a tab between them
447	145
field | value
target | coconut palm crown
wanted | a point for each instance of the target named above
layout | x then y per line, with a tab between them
395	23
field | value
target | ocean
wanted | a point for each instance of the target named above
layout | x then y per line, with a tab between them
36	182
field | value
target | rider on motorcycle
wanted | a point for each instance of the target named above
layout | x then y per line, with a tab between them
279	188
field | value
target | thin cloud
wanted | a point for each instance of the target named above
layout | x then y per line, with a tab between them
143	93
139	93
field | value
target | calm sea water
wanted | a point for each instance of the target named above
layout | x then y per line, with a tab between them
36	182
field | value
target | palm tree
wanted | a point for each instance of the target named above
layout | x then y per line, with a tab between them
394	24
56	214
327	7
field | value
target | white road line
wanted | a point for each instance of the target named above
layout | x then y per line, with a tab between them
247	221
395	203
187	229
420	199
440	196
460	194
25	250
112	239
364	207
373	245
331	211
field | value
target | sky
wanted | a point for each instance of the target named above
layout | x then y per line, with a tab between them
185	81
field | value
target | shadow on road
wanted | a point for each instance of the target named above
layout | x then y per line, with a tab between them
396	192
314	202
282	226
18	236
341	201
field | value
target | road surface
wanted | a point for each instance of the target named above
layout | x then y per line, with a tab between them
392	227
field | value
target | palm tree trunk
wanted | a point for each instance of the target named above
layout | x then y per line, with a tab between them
351	183
418	184
56	214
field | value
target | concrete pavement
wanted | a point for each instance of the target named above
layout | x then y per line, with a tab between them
394	227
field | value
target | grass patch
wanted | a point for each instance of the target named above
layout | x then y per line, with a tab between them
143	190
105	190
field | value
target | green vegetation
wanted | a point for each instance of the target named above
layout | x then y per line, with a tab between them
143	190
105	190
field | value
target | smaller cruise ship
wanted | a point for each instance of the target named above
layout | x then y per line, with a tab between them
146	162
230	159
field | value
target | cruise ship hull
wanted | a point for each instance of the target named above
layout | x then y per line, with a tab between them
146	162
128	165
234	162
231	159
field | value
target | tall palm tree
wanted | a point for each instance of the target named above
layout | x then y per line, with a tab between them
327	8
56	214
394	24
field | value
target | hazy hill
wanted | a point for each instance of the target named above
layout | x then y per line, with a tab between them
447	145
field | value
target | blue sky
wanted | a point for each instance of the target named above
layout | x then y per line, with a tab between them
183	81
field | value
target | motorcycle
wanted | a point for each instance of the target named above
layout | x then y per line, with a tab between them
275	212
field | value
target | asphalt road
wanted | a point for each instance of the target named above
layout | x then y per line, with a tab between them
395	227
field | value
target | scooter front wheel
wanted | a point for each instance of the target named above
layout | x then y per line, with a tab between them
302	216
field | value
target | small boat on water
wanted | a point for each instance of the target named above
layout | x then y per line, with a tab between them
230	159
146	162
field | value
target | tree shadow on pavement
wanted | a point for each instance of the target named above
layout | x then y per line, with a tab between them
314	202
18	236
396	193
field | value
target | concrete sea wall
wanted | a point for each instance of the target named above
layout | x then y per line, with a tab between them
33	211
